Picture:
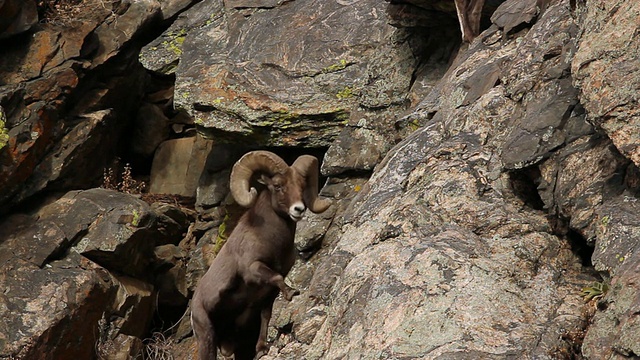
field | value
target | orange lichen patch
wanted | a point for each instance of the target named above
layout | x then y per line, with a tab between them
67	80
23	156
218	96
217	88
262	102
300	21
50	88
45	46
286	140
214	81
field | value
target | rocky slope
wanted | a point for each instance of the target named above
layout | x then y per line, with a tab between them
479	188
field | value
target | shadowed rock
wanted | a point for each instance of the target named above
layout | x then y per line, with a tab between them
17	16
62	296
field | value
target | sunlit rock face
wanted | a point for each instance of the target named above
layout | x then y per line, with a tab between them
478	188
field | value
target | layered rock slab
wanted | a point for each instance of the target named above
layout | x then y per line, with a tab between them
253	72
69	274
248	74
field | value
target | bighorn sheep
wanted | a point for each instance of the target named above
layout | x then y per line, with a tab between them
231	306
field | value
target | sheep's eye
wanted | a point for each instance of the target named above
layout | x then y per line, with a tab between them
277	188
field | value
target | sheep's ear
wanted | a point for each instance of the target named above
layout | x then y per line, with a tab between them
264	180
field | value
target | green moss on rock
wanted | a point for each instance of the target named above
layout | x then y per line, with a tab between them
175	41
345	93
341	65
222	237
4	132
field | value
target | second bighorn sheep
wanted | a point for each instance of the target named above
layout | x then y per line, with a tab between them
231	307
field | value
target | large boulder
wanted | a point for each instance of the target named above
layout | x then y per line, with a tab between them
247	74
605	69
433	262
448	251
178	165
52	312
607	74
79	273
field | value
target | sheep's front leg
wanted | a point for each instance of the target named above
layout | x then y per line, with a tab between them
261	273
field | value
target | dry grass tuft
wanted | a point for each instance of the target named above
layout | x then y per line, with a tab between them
158	347
120	178
69	12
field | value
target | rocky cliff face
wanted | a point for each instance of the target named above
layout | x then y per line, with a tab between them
485	193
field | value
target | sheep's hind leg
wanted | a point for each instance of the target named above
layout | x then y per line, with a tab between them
261	273
203	330
265	315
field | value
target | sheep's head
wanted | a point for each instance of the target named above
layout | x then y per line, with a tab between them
293	188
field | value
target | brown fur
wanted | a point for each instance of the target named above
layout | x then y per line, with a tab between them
232	304
469	16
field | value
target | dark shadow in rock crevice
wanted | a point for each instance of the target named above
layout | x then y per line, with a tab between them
434	38
632	180
524	183
580	247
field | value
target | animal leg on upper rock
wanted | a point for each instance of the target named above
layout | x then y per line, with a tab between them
259	272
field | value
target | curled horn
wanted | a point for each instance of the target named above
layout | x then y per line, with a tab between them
244	168
307	166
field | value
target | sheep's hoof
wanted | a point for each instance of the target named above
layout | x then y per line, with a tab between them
261	349
290	293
